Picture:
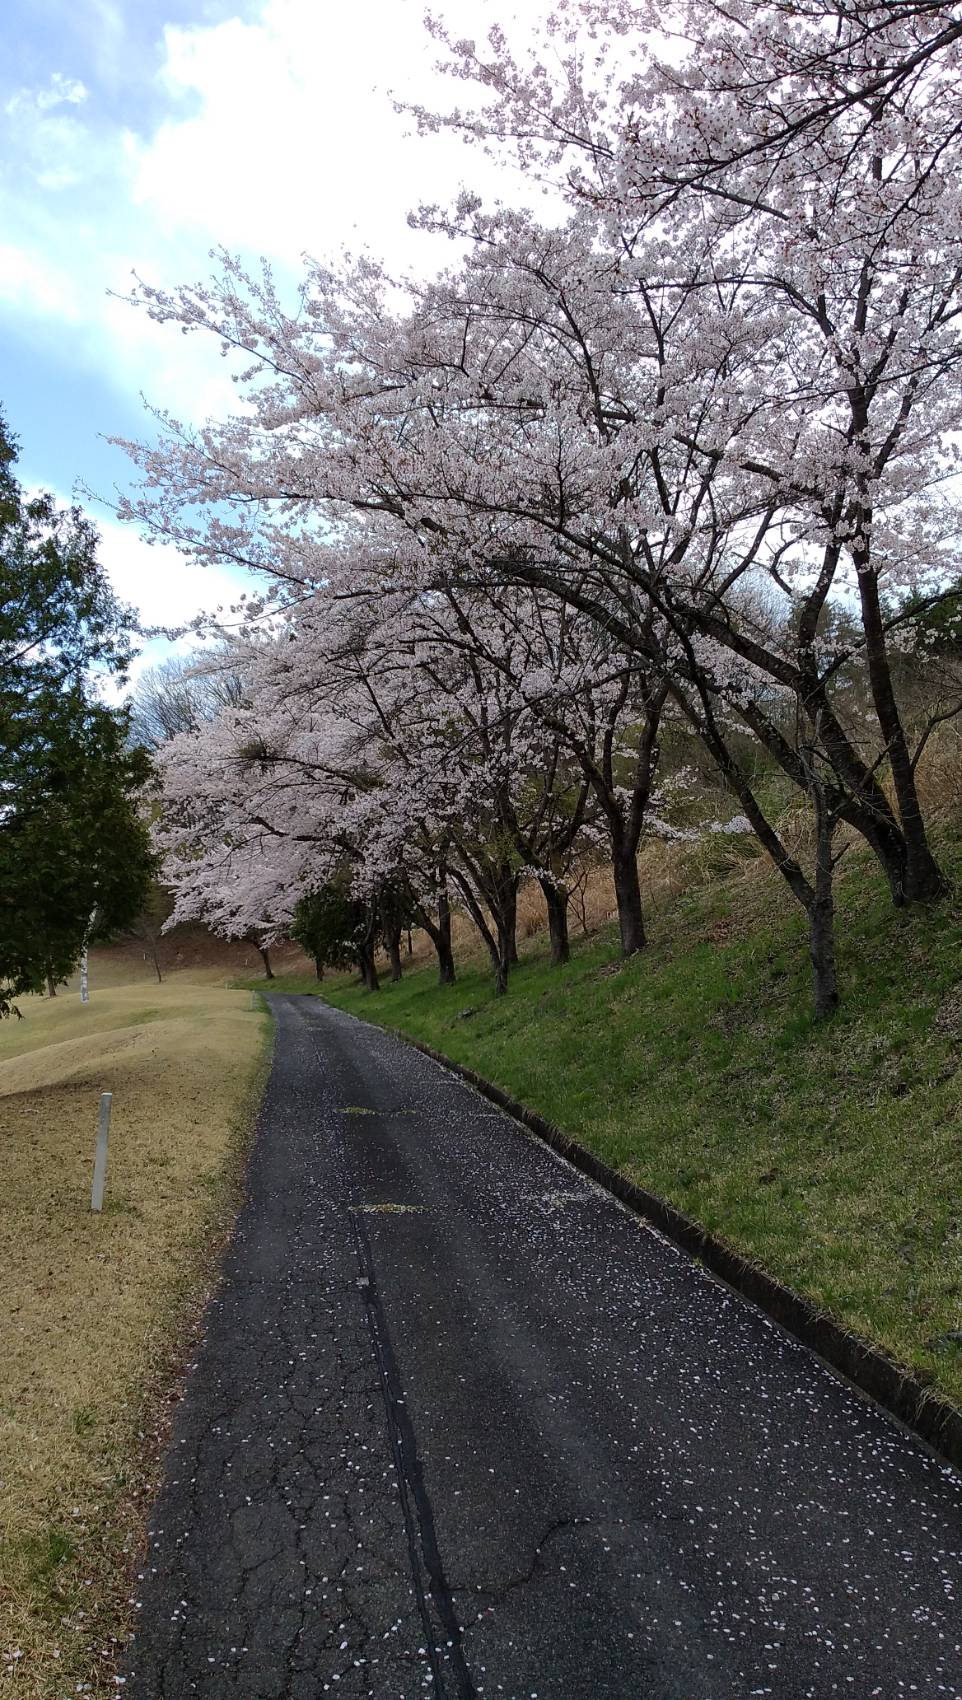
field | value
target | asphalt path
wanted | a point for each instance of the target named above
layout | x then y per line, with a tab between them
462	1426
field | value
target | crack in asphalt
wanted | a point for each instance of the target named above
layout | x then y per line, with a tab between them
499	1591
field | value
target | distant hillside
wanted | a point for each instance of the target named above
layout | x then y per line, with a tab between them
194	949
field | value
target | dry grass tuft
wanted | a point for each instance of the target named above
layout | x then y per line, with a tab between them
97	1306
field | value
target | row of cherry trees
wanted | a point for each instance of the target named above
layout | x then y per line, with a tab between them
600	475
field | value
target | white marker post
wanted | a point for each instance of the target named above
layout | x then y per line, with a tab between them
100	1159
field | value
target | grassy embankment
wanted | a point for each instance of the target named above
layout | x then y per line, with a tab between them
98	1311
831	1156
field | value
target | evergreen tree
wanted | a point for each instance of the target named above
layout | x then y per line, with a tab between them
75	858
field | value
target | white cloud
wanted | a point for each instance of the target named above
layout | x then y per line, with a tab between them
106	35
292	143
36	286
60	91
277	136
272	133
182	375
168	589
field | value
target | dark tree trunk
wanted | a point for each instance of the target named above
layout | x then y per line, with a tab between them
447	974
264	955
507	953
866	808
816	900
923	876
499	960
318	968
366	948
51	986
821	944
556	899
439	932
394	952
821	916
628	897
410	943
496	945
442	942
365	962
155	954
497	950
508	920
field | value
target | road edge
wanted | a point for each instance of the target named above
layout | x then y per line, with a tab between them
926	1415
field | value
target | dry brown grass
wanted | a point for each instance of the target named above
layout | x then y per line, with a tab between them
939	775
96	1307
190	950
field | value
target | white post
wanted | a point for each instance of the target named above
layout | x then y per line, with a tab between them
100	1160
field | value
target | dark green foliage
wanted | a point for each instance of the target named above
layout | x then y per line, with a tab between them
935	628
327	925
72	841
395	906
337	930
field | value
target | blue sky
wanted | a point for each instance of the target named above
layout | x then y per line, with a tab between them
139	134
81	86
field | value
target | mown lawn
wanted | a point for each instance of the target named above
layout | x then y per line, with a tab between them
97	1310
830	1155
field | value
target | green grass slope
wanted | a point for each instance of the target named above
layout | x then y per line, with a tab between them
831	1155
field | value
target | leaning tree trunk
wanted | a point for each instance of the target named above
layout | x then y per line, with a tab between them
264	955
557	898
497	950
867	808
394	952
495	942
631	922
816	900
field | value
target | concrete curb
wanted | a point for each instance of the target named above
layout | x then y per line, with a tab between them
932	1419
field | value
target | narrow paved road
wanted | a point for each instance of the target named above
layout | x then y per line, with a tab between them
462	1427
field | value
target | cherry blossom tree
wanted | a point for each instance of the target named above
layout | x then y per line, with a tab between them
736	364
817	147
